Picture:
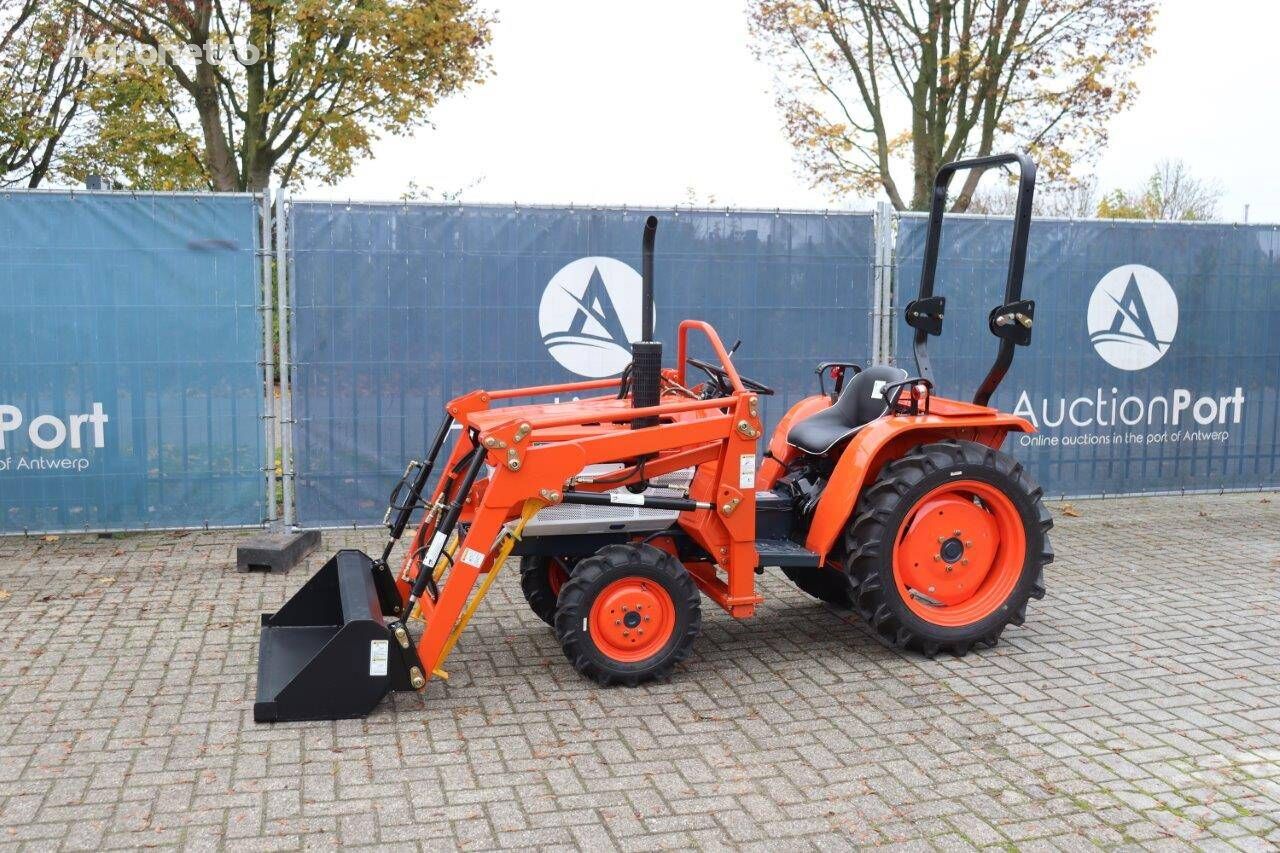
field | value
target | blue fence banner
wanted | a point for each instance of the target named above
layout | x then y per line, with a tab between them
1155	358
130	378
399	307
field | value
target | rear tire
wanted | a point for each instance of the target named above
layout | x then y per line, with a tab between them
628	614
947	547
824	583
541	579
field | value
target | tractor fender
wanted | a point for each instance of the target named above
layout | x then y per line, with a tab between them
885	439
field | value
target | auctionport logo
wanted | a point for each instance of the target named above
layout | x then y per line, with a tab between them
46	432
590	314
1132	317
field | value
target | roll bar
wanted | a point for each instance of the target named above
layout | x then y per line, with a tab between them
1010	322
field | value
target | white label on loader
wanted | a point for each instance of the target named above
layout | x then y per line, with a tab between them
626	498
433	550
378	657
747	471
472	557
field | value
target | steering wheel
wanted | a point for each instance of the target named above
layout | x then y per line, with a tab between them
721	378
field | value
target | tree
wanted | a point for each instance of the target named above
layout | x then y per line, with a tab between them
1171	193
865	84
133	134
295	88
42	76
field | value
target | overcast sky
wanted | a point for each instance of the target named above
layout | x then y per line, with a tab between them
596	102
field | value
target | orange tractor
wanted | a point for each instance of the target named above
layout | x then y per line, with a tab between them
879	496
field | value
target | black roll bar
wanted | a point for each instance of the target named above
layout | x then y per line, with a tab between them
1010	322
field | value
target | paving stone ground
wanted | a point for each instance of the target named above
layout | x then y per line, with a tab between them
1139	706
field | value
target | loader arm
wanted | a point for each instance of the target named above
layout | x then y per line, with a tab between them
536	453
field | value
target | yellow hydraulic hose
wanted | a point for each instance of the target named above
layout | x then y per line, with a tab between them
509	541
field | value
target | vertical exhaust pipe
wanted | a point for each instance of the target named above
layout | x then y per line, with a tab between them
646	354
646	278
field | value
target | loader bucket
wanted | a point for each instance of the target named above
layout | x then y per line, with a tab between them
328	653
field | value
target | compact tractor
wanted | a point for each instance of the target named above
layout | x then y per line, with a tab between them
878	496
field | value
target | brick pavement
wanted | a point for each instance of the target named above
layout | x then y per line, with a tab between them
1139	706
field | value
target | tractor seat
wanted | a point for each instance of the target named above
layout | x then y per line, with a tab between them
859	403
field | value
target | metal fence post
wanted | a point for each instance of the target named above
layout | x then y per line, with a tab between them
882	329
286	371
268	360
874	356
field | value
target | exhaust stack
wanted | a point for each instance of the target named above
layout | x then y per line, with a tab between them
646	354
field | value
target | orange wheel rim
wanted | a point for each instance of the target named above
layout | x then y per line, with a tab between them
557	575
632	619
959	553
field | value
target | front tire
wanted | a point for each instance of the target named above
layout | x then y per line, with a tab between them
947	547
628	614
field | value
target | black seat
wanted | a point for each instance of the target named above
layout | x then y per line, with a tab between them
859	403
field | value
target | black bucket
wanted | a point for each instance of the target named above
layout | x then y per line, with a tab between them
328	654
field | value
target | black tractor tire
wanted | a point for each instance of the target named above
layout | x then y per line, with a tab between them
623	578
825	584
878	523
539	587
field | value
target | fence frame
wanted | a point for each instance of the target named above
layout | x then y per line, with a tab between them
277	312
285	300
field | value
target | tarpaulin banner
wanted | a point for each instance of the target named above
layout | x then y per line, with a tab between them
1155	357
130	348
399	307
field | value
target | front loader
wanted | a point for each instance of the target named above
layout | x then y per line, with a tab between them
629	505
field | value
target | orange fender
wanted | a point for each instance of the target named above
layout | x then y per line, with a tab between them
889	438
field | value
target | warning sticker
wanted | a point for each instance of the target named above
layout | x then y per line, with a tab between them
472	557
747	471
626	498
378	657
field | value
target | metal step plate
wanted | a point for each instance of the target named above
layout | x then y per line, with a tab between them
784	552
